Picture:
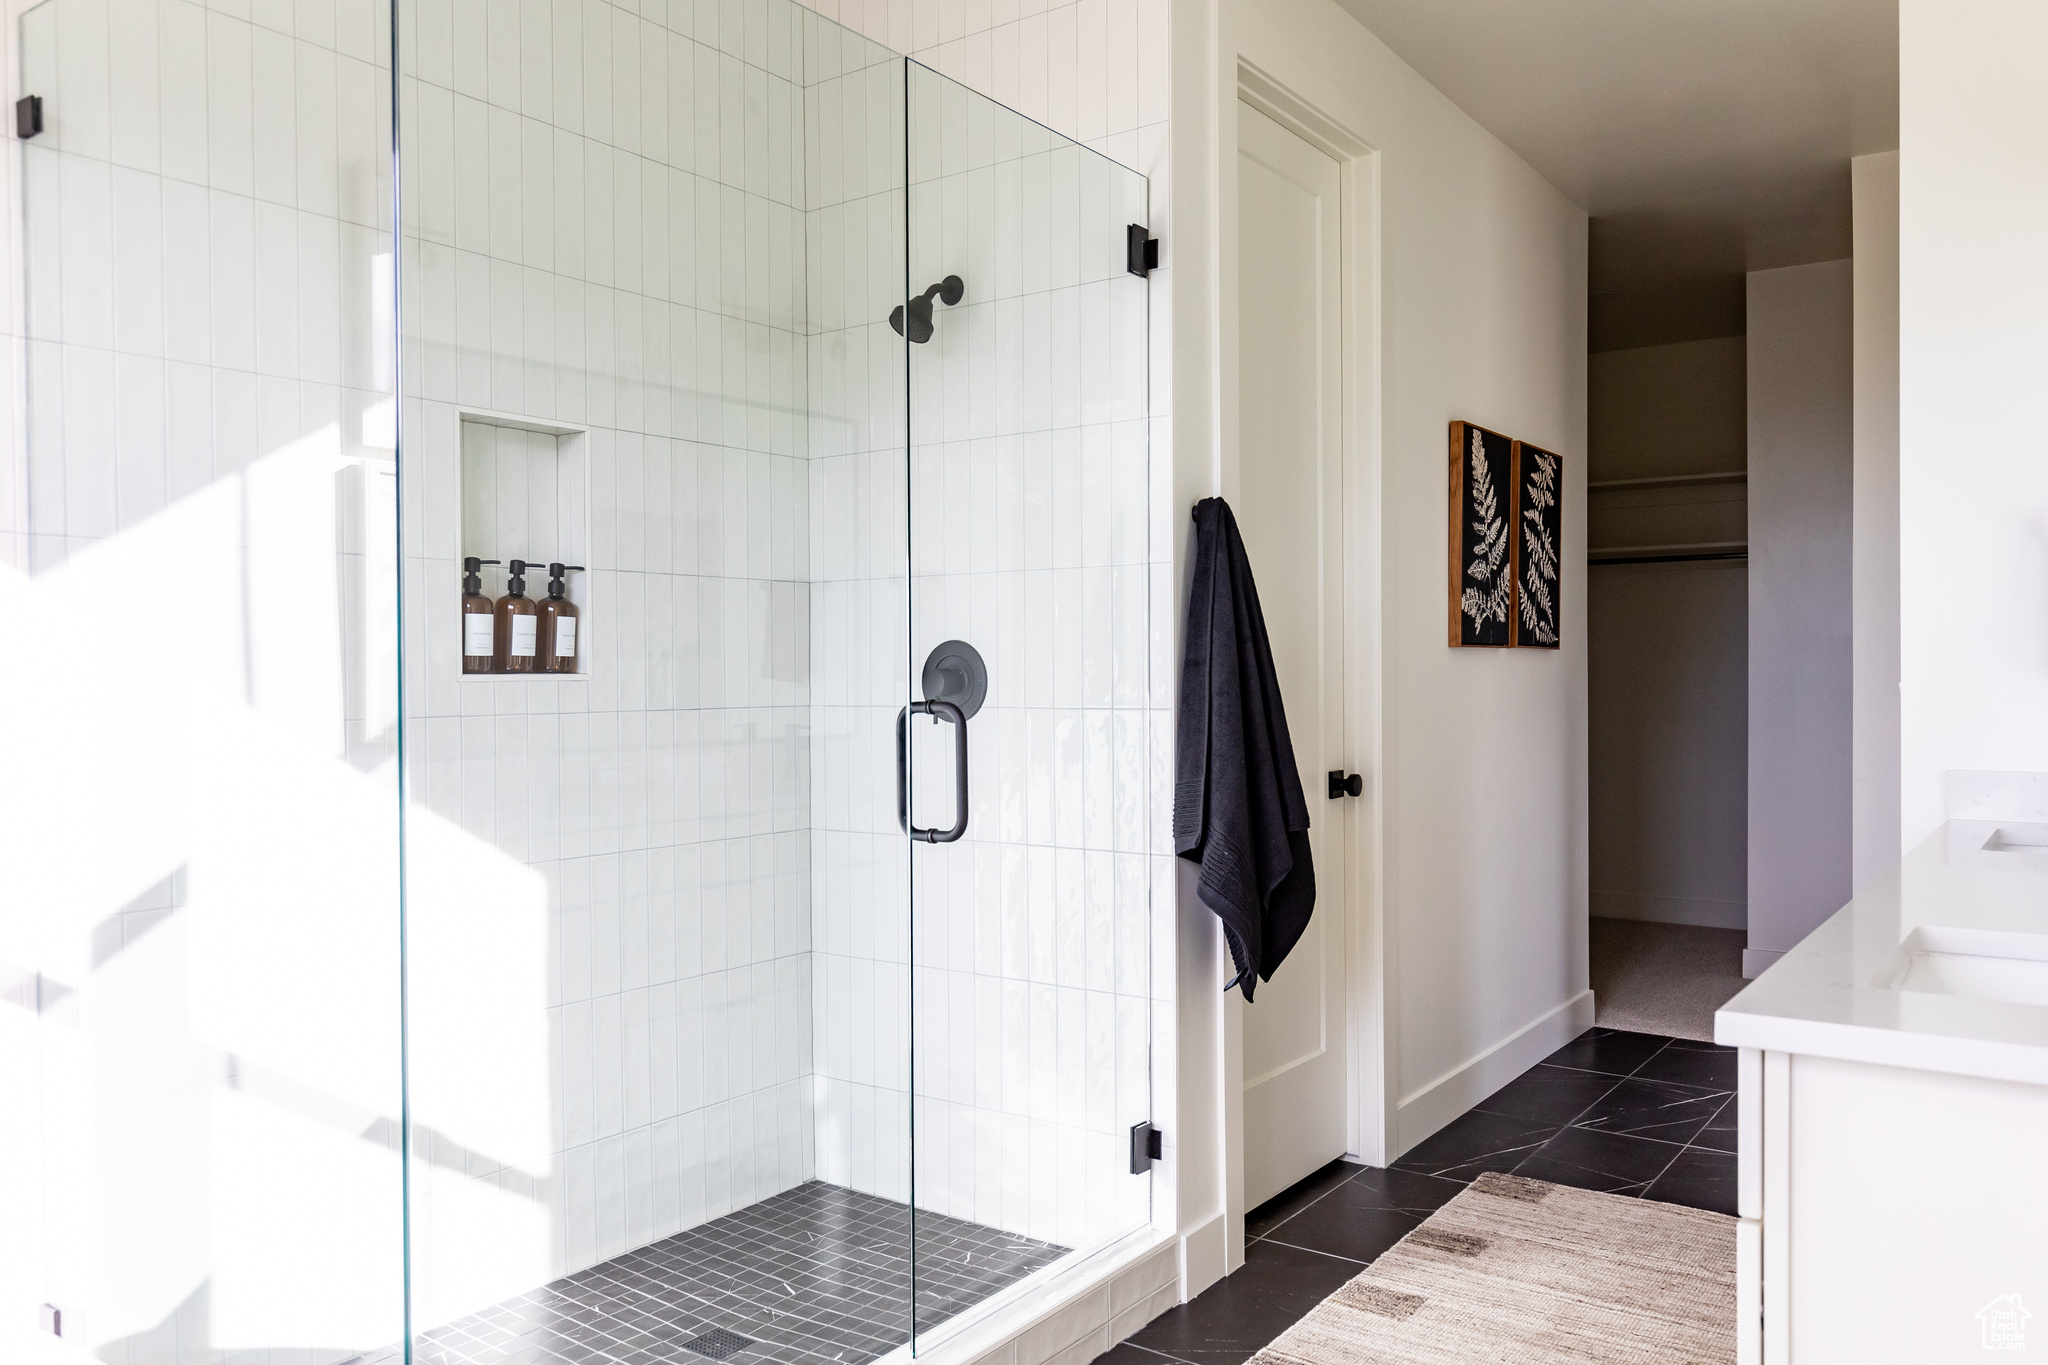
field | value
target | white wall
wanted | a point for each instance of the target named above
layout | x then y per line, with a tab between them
1653	411
1973	456
1874	183
1482	317
1669	733
1800	514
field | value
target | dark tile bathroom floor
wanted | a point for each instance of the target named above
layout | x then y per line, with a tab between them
817	1273
1628	1113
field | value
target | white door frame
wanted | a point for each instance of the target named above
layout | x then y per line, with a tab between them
1368	986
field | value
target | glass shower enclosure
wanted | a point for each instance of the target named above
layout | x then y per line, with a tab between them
756	966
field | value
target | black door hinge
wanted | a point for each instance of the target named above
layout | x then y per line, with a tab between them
1147	1146
28	116
1144	251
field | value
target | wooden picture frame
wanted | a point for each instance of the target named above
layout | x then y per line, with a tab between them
1537	621
1482	583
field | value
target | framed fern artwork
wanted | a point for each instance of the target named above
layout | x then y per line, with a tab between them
1482	553
1537	535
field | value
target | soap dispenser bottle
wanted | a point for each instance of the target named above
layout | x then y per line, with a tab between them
479	632
518	621
558	624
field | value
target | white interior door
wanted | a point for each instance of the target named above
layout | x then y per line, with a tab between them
1289	309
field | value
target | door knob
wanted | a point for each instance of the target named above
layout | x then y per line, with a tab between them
1340	785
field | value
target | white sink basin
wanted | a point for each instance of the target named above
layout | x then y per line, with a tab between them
2016	846
1979	964
2018	839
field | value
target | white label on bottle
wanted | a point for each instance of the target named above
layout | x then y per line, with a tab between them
523	635
565	637
476	633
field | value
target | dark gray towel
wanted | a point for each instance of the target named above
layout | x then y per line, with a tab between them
1237	803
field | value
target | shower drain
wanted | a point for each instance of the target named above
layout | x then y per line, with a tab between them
717	1343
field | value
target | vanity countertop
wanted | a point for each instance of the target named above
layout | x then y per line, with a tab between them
1940	965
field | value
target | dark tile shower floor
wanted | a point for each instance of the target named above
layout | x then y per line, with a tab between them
817	1273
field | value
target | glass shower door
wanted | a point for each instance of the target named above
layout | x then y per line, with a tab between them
1031	944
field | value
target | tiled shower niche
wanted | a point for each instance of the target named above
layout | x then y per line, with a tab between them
524	490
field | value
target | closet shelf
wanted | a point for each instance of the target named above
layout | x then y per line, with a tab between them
1669	554
1668	481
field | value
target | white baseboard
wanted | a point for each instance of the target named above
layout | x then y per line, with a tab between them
1756	961
1425	1110
1203	1256
1694	910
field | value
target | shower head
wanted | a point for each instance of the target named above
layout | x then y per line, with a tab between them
949	290
920	319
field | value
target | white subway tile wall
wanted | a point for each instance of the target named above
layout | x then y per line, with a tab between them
1029	540
605	229
1092	70
860	910
524	496
203	872
1095	71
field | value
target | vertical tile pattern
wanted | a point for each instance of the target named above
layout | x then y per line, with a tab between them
194	285
1092	70
1027	487
1095	71
859	614
523	496
605	231
201	548
1028	499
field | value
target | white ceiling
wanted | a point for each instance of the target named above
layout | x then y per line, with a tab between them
1705	137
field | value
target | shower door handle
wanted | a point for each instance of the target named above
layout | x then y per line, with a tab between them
938	710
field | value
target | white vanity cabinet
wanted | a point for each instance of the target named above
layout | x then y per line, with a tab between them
1893	1121
1888	1214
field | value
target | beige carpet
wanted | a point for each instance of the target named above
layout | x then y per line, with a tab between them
1521	1272
1663	978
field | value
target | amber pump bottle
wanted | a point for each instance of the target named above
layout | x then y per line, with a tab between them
479	633
558	624
518	622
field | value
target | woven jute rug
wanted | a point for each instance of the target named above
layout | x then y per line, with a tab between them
1522	1272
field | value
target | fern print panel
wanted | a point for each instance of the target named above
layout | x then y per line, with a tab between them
1482	539
1538	537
